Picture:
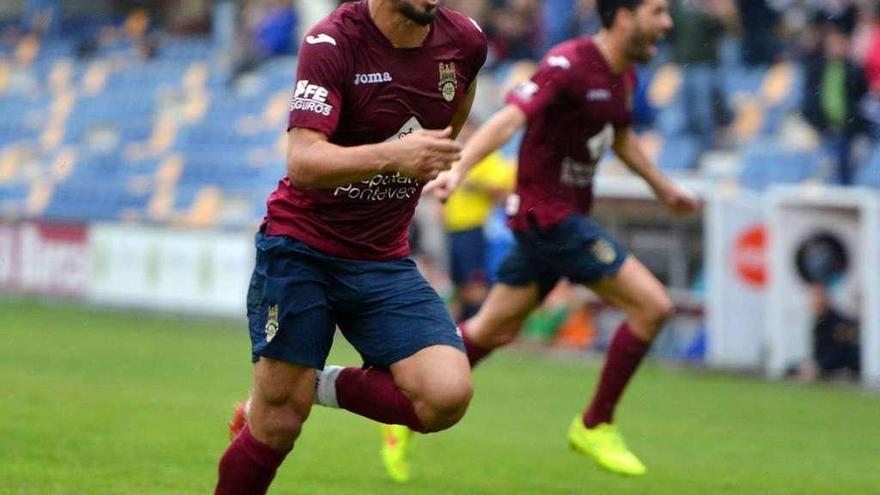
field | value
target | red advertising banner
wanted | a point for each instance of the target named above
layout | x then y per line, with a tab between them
45	258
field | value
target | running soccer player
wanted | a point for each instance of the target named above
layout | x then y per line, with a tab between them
577	105
372	79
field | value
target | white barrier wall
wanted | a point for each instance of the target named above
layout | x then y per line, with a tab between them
797	218
166	269
736	273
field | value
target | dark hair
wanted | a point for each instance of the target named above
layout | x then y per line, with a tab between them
608	9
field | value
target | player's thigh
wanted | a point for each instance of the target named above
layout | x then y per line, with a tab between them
389	312
288	310
636	291
500	318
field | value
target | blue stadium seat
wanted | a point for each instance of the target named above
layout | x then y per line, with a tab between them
671	120
94	201
13	193
766	163
679	154
869	173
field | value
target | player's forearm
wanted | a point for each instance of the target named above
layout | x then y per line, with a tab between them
320	164
490	136
629	151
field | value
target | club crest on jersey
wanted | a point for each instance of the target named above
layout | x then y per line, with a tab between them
272	323
448	80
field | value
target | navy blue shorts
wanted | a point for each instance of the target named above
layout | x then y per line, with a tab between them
298	296
467	254
576	248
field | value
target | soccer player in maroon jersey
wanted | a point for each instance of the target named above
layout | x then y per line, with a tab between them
372	79
577	105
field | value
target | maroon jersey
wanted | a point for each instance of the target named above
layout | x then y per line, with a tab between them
573	103
356	88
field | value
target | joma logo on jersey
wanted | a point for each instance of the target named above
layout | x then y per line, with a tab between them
374	78
599	95
311	98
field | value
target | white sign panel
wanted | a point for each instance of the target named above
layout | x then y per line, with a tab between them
736	266
829	235
165	269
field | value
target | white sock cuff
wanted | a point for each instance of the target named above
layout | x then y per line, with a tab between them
325	389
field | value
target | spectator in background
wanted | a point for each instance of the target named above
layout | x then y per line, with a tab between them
514	30
759	20
477	10
465	214
268	29
274	28
835	88
566	19
41	17
870	55
841	13
835	340
699	29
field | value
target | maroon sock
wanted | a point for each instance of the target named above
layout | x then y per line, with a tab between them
475	353
248	466
624	355
371	392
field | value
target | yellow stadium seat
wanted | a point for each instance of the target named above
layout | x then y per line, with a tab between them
665	85
778	84
749	118
205	207
41	193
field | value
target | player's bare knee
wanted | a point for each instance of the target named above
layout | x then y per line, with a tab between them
656	312
445	404
277	420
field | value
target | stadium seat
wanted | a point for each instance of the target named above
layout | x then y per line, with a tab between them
869	173
679	154
767	163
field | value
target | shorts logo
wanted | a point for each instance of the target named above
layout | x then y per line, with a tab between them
272	323
310	98
604	252
448	80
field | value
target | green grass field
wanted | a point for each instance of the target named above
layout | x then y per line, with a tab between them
97	402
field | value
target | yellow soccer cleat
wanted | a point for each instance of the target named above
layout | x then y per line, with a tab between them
605	445
394	451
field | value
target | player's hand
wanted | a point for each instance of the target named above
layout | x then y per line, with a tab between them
425	153
680	201
444	185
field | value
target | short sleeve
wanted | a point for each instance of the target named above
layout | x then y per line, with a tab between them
631	80
480	51
470	35
316	102
544	88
